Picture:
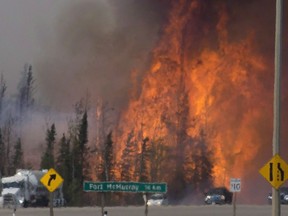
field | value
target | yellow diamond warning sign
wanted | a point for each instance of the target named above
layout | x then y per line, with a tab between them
51	180
275	171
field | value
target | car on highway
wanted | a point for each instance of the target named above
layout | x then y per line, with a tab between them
218	195
158	199
283	191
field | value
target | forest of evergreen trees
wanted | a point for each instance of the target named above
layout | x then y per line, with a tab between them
79	159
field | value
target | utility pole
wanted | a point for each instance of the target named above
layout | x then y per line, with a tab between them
0	183
276	210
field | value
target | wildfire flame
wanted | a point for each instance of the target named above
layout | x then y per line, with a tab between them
222	79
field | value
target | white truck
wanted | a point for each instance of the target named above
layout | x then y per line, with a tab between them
24	189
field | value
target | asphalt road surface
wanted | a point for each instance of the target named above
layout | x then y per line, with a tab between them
213	210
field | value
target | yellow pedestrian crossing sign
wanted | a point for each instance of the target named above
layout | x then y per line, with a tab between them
275	171
51	180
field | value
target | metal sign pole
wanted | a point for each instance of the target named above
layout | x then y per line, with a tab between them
15	205
51	203
276	210
234	204
1	183
146	205
102	204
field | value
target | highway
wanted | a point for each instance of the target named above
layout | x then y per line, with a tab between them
201	210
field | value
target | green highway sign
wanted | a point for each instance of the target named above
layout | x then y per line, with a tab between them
132	187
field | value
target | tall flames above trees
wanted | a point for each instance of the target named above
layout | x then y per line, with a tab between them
203	97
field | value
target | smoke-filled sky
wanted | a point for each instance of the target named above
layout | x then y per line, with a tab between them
24	25
80	47
77	47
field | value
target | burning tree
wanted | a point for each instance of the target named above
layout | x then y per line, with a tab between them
128	159
197	96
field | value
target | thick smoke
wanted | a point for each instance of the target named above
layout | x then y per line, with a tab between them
97	45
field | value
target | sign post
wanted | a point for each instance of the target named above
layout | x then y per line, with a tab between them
235	186
15	206
276	209
51	180
102	204
146	205
0	183
51	203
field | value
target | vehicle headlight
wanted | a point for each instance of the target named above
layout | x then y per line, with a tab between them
207	197
159	202
286	197
21	200
222	197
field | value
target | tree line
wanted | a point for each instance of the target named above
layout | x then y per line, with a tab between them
12	116
136	158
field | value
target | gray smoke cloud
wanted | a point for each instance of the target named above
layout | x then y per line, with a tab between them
97	44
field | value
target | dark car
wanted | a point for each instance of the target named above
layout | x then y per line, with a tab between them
219	195
283	191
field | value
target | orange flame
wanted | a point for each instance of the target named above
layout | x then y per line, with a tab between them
223	81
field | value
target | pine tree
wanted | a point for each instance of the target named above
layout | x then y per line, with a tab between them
8	139
2	154
25	88
128	166
182	140
203	172
108	155
47	160
83	148
3	88
106	170
18	160
127	159
158	154
63	161
144	160
78	131
63	166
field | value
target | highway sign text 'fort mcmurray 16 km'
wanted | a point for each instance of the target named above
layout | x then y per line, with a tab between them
132	187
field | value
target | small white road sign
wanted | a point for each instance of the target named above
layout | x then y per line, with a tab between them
235	184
